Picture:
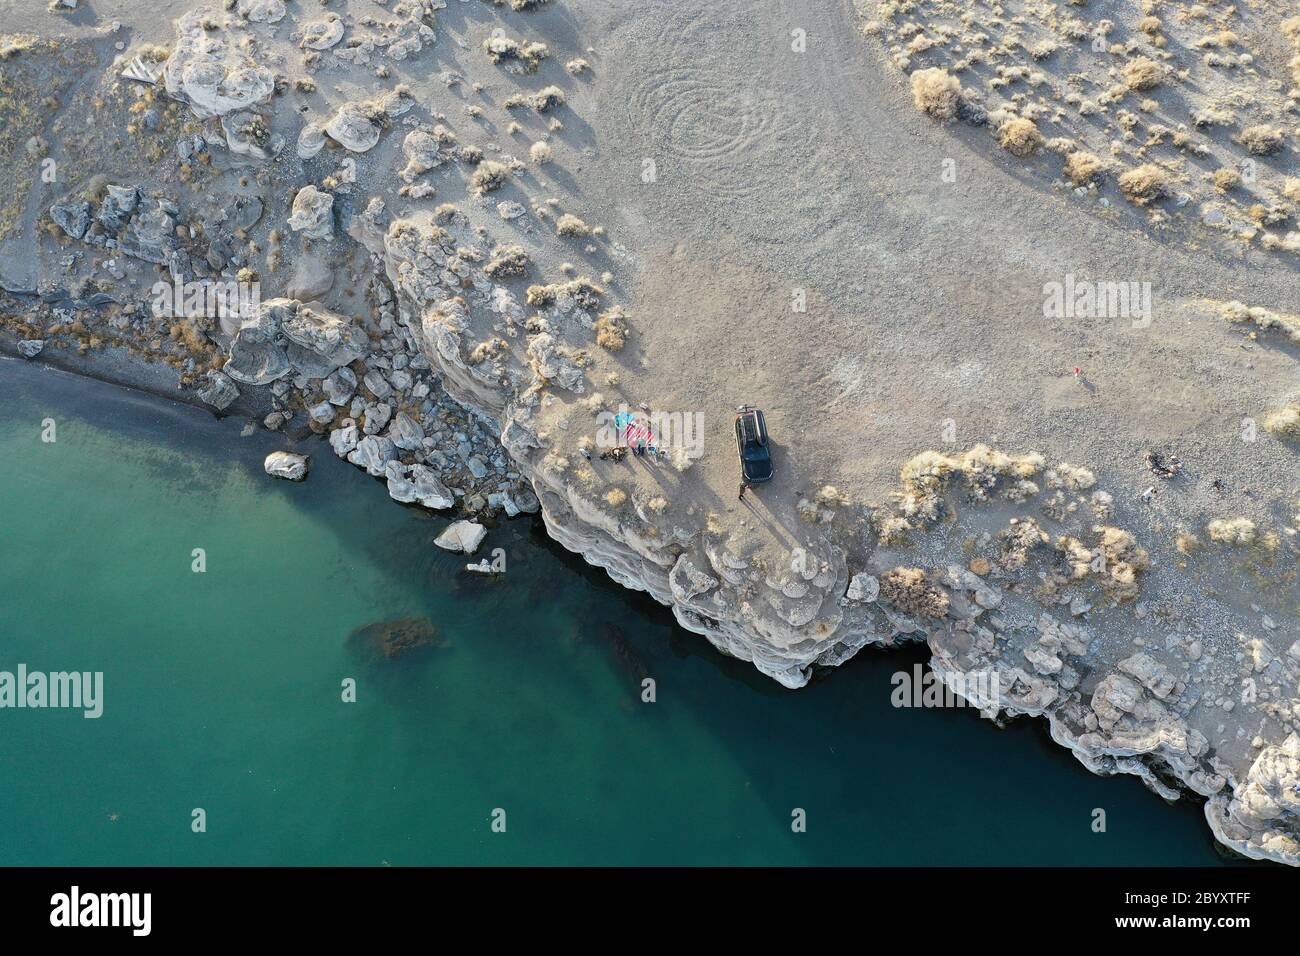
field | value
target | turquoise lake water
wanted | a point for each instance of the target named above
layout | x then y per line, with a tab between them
222	690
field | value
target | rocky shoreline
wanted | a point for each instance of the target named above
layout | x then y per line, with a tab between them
285	258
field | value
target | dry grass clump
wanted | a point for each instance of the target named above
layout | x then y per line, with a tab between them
616	497
527	55
506	261
611	329
571	225
1142	73
1020	137
1231	530
1073	477
548	97
910	591
1082	168
1226	179
540	153
1285	422
1144	184
1238	312
577	66
1124	562
1262	140
981	469
489	175
936	92
586	294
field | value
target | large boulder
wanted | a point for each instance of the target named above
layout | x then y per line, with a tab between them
429	490
321	342
552	364
462	536
863	588
352	128
261	11
313	213
311	140
152	233
312	278
72	216
210	71
285	464
406	432
372	453
116	207
218	391
255	357
322	34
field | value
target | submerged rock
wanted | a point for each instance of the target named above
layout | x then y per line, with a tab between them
393	639
285	464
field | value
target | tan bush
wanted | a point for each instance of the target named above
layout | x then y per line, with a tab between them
615	497
1144	184
489	175
1020	137
611	329
1142	73
571	225
910	591
1082	168
1231	530
1226	179
1261	140
546	98
1285	422
936	93
540	153
510	260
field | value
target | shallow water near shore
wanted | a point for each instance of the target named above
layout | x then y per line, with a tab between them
222	689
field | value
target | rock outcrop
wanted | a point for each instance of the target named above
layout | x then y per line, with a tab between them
285	464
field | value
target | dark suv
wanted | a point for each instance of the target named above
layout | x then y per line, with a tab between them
752	445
